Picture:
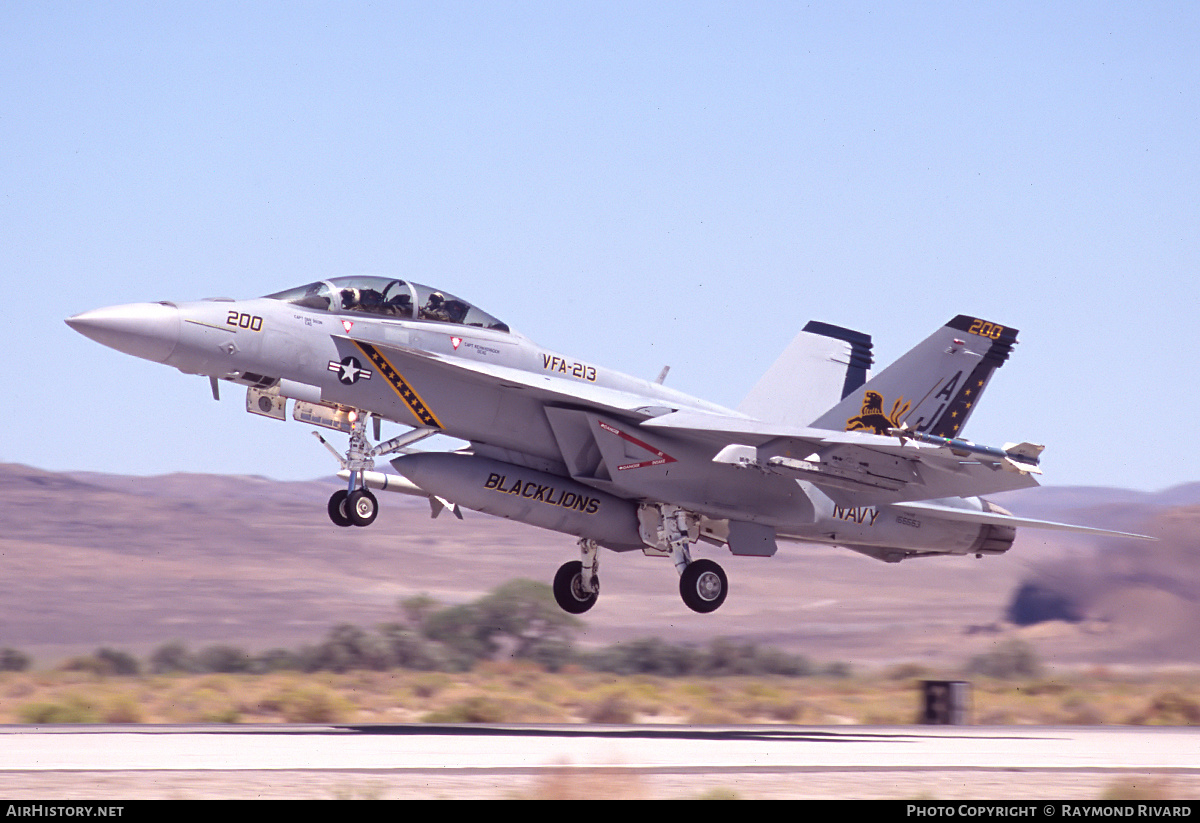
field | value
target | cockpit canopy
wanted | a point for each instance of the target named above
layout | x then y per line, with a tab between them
385	297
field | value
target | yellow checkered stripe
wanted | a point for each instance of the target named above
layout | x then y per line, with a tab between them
397	382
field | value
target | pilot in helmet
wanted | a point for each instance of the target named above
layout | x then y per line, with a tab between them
435	308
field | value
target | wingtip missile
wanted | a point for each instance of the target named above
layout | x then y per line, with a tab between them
1022	457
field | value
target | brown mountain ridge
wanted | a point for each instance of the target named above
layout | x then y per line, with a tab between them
133	562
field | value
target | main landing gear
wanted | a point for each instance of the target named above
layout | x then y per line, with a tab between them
702	583
577	584
668	532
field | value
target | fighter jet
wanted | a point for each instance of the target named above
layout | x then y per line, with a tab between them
819	451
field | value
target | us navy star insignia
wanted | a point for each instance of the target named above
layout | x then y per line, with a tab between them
349	370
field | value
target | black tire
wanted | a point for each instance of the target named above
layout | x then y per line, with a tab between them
361	507
703	586
337	508
568	589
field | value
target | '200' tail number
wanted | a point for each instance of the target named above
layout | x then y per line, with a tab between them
986	329
242	320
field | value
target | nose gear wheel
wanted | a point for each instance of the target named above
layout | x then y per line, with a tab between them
361	507
337	508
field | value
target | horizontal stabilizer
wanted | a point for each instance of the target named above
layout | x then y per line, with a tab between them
997	518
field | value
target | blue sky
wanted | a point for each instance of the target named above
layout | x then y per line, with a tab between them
634	184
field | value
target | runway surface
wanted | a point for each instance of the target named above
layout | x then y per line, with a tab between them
109	762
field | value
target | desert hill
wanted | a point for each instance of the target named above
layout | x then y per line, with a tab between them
133	562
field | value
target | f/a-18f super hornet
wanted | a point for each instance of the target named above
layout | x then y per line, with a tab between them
818	451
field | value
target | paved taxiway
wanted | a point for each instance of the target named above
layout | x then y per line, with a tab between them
498	761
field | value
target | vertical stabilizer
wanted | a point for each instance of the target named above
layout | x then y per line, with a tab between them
822	365
934	387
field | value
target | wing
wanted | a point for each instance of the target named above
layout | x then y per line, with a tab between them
884	469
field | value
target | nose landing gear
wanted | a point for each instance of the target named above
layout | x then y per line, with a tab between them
356	505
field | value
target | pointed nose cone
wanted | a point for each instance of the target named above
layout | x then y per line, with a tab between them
147	330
